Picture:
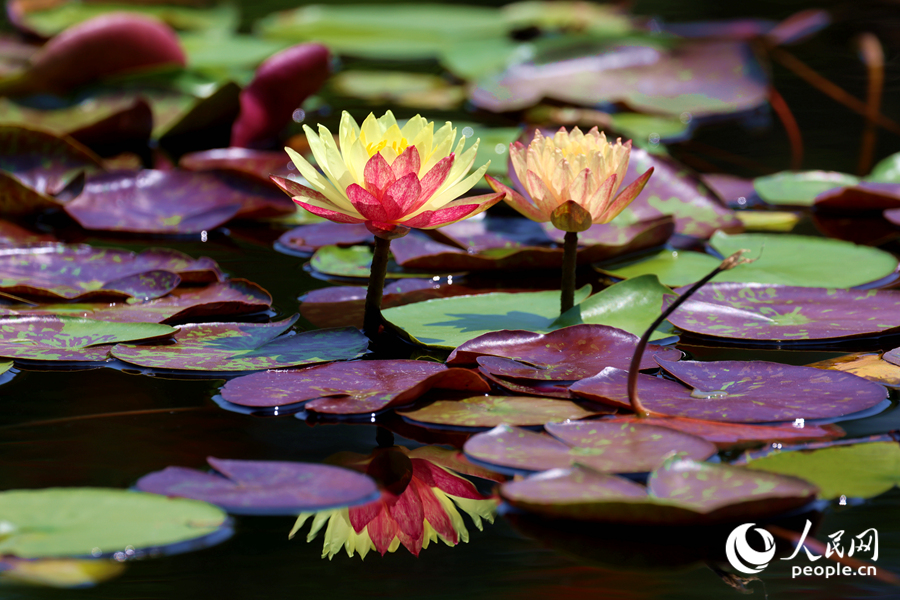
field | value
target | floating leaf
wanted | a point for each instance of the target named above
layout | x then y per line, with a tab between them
630	305
865	196
349	388
13	235
354	261
672	267
261	163
417	90
799	188
490	411
449	322
736	391
887	170
70	339
83	521
59	572
867	365
309	238
855	471
681	492
599	445
5	365
245	347
764	221
570	353
247	487
80	272
764	313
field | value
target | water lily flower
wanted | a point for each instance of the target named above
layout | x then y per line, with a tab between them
392	179
571	180
413	512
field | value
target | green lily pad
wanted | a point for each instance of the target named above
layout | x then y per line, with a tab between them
59	572
673	267
449	322
641	127
887	170
799	188
85	521
70	339
5	365
856	471
417	90
354	261
630	305
490	411
494	145
245	347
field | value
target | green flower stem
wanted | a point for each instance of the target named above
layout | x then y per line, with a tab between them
373	319
570	256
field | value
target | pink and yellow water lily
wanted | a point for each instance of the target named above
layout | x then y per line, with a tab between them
389	177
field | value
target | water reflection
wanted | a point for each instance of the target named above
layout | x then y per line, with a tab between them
422	498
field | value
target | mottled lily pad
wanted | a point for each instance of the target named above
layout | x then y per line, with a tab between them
245	347
261	163
681	492
232	297
754	391
84	521
80	272
70	339
570	353
799	188
491	411
766	313
247	487
5	365
865	364
309	238
600	445
449	322
350	387
856	470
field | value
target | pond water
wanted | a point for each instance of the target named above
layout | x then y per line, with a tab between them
110	426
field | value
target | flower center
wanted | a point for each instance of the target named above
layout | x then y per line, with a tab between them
397	145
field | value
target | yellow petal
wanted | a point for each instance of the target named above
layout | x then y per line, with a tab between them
320	183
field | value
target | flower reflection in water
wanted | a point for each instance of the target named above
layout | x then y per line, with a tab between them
420	503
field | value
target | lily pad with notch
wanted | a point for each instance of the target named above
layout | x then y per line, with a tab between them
737	391
309	238
602	446
799	188
218	347
350	388
490	411
247	487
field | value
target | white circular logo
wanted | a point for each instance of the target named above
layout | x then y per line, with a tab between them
744	558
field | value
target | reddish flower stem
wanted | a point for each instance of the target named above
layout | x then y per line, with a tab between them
570	256
373	319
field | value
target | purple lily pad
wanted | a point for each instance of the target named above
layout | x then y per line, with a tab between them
245	347
169	202
349	388
569	353
892	356
700	77
862	197
80	272
754	391
490	411
766	312
69	339
232	297
530	387
735	191
260	163
14	235
42	161
309	238
250	487
600	445
681	492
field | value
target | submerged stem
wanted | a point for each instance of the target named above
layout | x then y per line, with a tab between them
633	369
373	319
570	260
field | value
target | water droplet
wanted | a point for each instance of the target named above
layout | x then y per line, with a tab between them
435	278
298	115
799	423
741	200
291	166
654	138
500	148
704	395
120	556
776	445
203	236
468	132
129	550
843	501
686	117
96	552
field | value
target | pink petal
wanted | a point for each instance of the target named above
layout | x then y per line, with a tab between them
435	476
625	198
409	514
435	514
432	219
406	163
401	196
367	205
434	178
378	175
382	530
518	201
540	193
600	201
290	187
360	516
331	215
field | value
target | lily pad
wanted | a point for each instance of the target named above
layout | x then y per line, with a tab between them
247	487
599	445
80	272
672	267
491	411
860	198
856	470
261	163
681	492
449	322
800	188
14	235
736	391
349	388
59	572
887	170
570	353
70	339
768	313
355	261
5	365
416	90
95	521
221	347
232	297
309	238
864	364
